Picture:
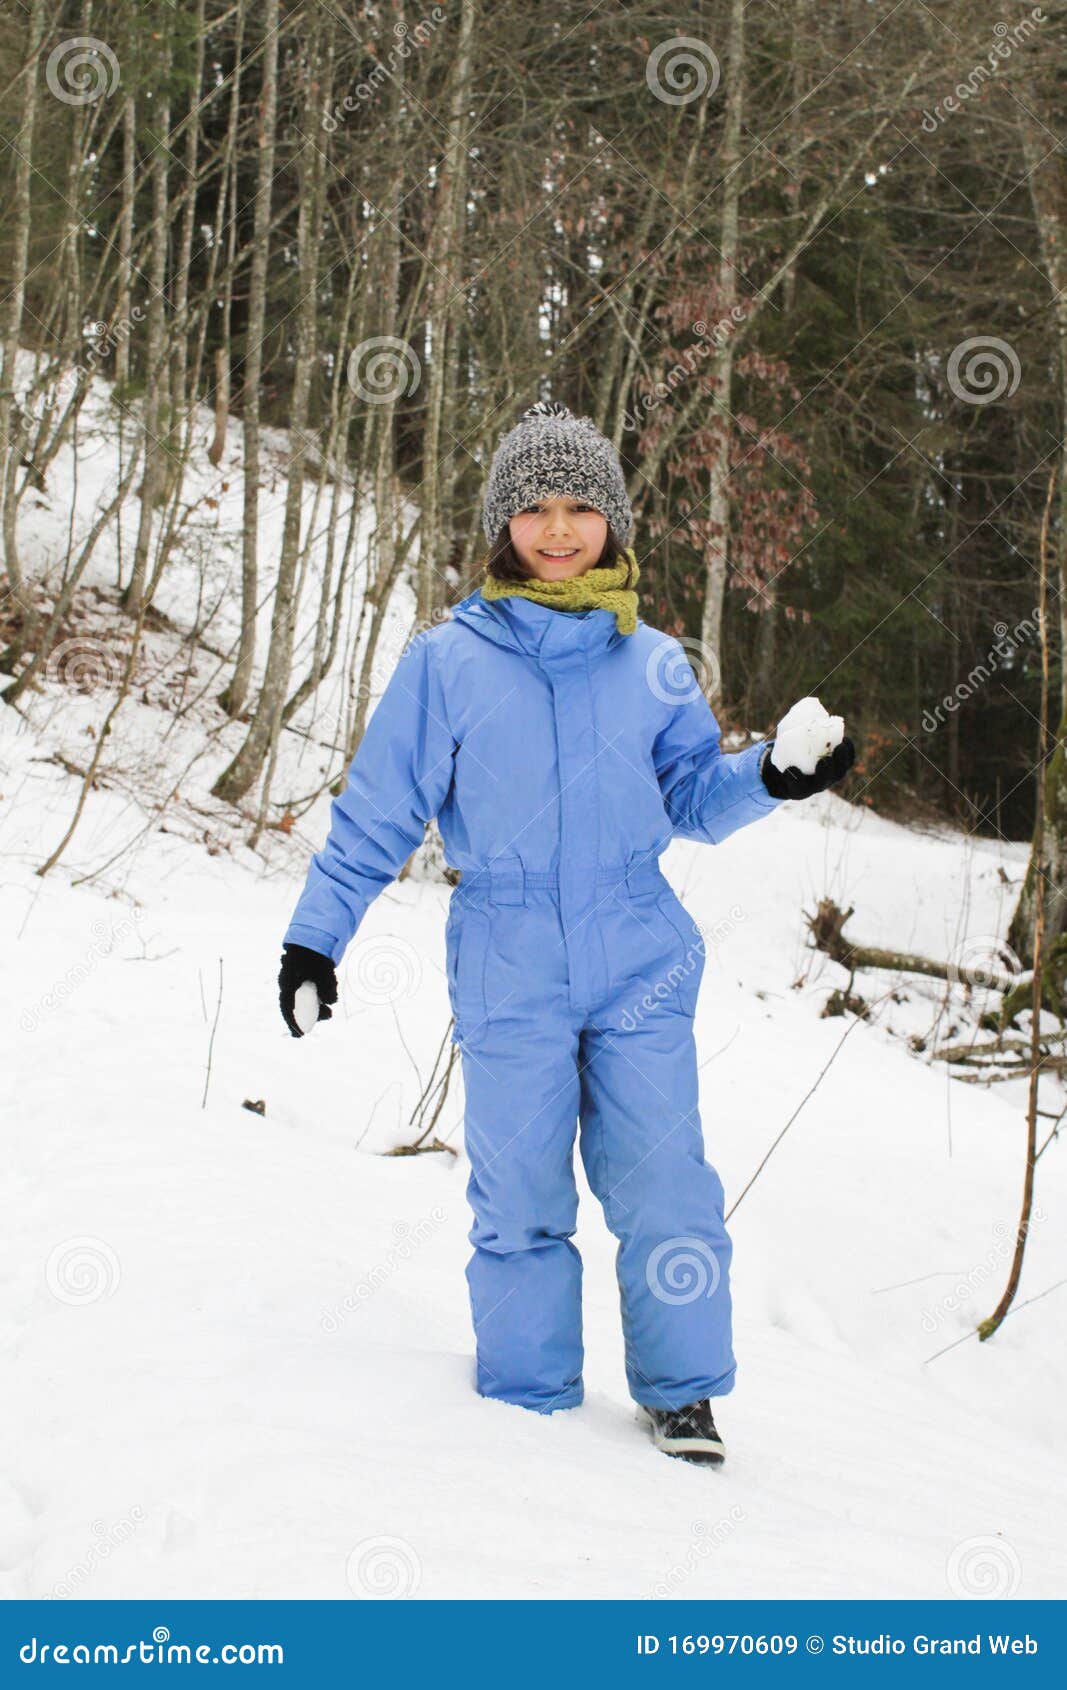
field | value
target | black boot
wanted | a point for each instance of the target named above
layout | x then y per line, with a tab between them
686	1432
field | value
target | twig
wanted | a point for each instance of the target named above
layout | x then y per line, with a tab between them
434	1093
1055	1133
211	1041
976	1332
818	1082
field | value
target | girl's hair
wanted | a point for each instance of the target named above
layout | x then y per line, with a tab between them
506	564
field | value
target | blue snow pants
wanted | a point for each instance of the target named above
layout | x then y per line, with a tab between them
623	1078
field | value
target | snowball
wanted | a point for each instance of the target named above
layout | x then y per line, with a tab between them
306	1006
805	733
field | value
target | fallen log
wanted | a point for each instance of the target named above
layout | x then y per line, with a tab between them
827	930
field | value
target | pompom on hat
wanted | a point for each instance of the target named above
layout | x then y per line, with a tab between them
551	453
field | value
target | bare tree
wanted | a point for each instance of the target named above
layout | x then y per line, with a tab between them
9	345
236	694
237	779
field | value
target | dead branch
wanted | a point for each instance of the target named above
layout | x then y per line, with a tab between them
826	927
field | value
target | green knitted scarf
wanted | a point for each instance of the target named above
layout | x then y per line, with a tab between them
596	589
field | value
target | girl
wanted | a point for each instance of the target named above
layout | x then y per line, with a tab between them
544	726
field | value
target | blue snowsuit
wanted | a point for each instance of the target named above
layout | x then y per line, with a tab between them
559	765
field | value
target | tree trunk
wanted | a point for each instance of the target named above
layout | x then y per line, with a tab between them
227	190
1047	180
20	245
729	162
445	254
154	400
236	780
234	696
180	360
124	301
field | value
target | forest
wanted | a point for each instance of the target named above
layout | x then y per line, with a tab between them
804	264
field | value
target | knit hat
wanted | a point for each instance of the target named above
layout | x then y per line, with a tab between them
552	453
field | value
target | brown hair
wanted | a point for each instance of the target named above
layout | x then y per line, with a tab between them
506	564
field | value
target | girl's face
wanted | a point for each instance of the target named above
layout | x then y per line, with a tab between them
557	538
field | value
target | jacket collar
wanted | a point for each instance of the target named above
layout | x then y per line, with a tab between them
539	630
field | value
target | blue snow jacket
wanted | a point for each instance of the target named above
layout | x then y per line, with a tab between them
548	745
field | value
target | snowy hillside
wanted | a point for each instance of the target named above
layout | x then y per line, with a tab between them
241	1341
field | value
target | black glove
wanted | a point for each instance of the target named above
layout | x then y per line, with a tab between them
300	964
791	783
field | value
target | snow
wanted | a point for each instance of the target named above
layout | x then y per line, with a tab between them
267	1353
306	1006
805	733
241	1337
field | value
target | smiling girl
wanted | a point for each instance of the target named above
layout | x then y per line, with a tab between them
562	743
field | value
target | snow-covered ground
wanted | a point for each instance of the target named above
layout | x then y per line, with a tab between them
240	1342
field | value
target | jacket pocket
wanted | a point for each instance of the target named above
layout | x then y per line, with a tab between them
466	948
687	965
